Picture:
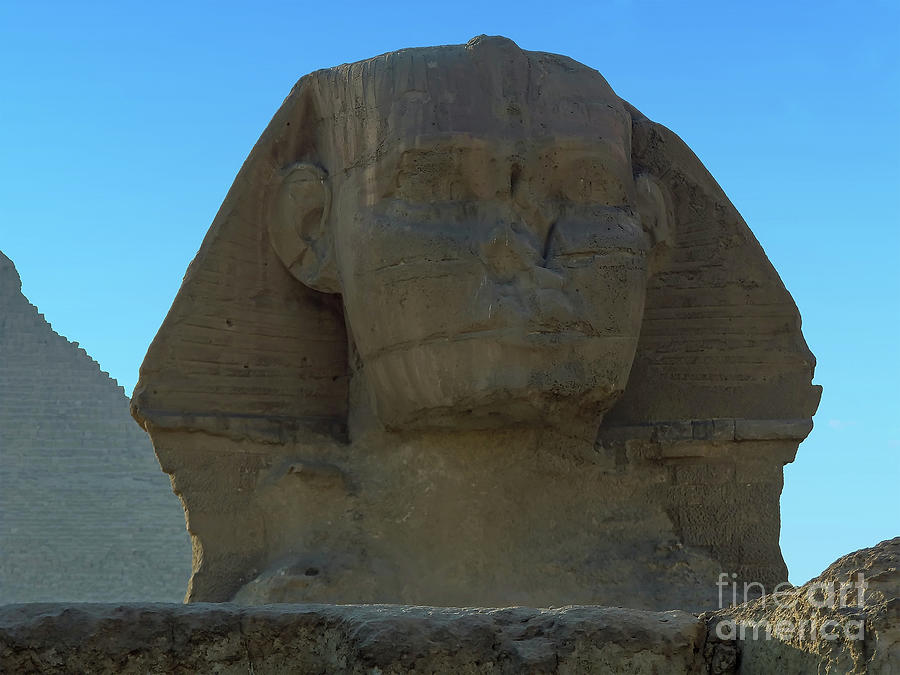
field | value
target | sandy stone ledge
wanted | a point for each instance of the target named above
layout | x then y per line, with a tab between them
226	638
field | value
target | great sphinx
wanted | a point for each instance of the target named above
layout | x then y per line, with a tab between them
469	329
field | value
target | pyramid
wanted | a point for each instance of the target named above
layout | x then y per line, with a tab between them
86	514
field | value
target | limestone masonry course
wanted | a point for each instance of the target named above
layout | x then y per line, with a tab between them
85	512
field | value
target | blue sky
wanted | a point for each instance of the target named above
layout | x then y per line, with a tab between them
123	124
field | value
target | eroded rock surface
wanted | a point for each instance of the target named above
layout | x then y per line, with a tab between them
469	329
846	620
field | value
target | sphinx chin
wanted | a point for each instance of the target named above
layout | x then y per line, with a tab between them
495	380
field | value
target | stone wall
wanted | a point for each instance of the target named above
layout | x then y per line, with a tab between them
373	639
85	512
767	635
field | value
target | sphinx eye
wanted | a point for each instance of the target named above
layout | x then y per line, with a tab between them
425	175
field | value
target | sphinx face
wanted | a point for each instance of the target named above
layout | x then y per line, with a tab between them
493	276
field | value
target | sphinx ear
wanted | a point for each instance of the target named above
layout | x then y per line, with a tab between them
654	208
298	227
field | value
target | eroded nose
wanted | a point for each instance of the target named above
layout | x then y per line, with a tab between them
521	242
513	255
509	252
535	212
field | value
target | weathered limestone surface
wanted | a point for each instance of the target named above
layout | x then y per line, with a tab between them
469	329
85	512
817	628
227	638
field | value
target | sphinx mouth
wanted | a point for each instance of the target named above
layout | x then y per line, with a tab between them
512	336
539	338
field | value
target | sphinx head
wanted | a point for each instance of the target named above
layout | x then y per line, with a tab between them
477	210
472	236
